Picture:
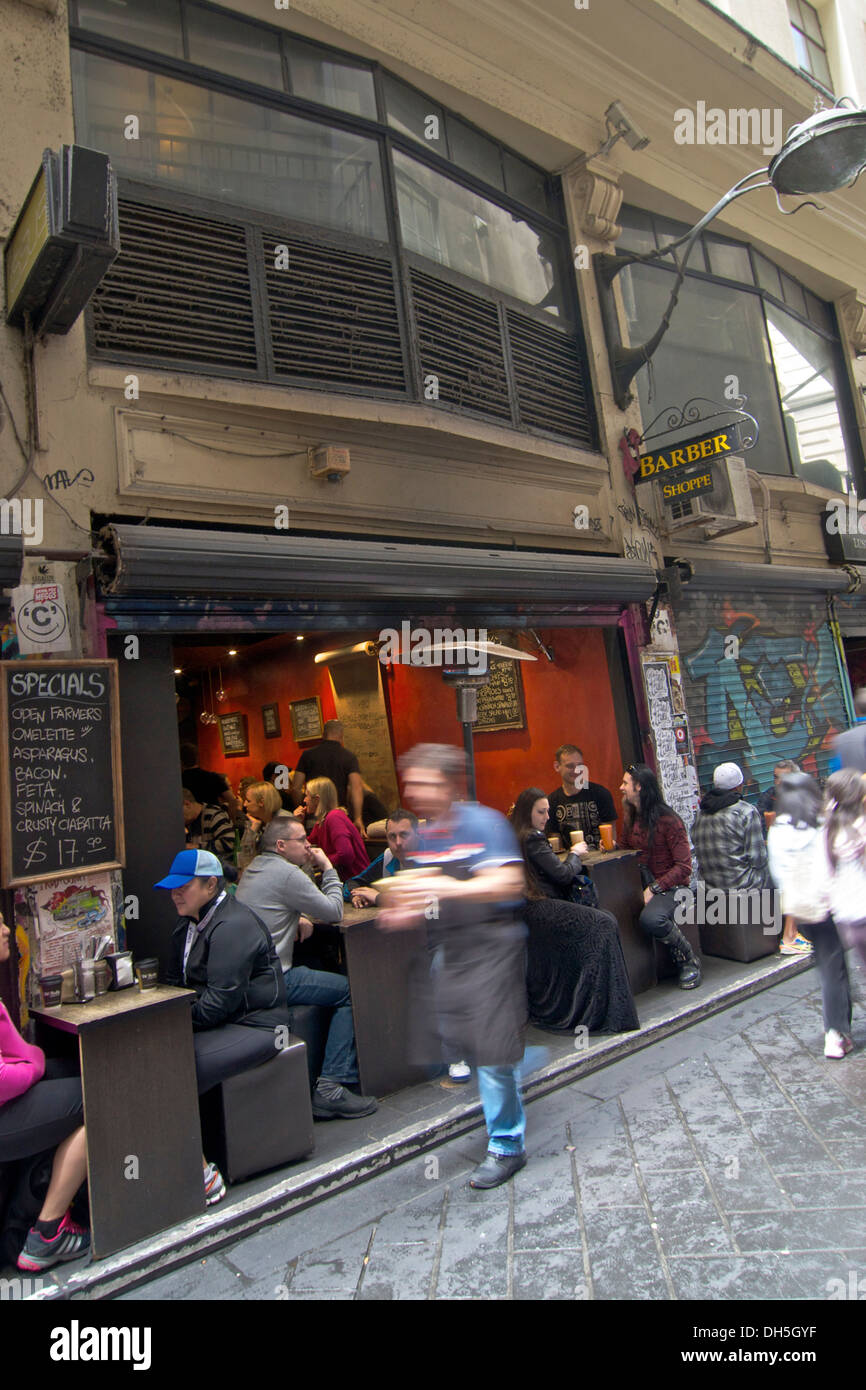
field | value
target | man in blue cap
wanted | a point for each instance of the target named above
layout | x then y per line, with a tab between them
220	949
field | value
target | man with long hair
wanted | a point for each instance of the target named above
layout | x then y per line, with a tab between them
655	831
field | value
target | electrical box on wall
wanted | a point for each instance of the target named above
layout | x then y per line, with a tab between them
715	499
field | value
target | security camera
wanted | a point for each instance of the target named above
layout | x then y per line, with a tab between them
627	129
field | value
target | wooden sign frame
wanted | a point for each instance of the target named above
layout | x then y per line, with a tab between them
235	752
520	722
271	714
40	665
293	706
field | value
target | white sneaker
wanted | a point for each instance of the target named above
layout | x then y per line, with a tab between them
836	1045
458	1071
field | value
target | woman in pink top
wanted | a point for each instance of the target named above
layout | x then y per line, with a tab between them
333	831
40	1110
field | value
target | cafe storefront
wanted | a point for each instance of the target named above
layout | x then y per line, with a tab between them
176	602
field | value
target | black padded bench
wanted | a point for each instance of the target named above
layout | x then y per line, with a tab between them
261	1118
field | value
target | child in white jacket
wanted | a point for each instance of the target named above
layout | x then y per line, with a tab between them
801	870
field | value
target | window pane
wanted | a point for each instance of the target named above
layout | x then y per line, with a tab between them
153	24
318	77
793	294
459	229
811	22
714	332
221	147
410	112
474	152
637	231
229	45
809	389
767	274
819	313
818	65
525	183
730	261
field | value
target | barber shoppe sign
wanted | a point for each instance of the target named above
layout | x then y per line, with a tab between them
682	468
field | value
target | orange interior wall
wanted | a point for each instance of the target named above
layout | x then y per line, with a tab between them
264	679
568	701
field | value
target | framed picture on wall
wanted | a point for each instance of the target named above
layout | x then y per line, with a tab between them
233	733
271	720
306	719
500	702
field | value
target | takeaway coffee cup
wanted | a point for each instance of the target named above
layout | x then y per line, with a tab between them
51	986
555	843
576	837
146	972
606	834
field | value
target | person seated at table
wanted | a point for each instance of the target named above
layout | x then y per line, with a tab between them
220	949
402	834
208	824
576	973
577	803
332	830
372	809
41	1108
279	891
661	840
261	803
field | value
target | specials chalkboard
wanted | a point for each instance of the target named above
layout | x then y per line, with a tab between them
60	807
500	702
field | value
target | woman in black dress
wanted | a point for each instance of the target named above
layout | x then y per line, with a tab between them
576	972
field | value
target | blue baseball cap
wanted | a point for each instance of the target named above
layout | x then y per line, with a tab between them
191	863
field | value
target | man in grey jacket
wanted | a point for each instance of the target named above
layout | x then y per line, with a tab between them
279	891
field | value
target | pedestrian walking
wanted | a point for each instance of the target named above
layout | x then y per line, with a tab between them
793	843
843	859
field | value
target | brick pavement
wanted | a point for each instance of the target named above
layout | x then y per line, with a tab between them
725	1162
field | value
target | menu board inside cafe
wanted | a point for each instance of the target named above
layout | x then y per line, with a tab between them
60	804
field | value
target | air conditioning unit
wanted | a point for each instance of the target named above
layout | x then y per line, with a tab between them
723	507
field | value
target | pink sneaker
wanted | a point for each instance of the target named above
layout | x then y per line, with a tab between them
837	1045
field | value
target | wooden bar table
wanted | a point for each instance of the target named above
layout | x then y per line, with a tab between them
378	964
144	1166
616	875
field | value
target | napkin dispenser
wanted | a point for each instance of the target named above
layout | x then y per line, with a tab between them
120	965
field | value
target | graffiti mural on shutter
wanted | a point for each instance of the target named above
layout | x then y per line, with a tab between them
762	682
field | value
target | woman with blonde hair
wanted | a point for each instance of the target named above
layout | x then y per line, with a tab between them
262	801
333	831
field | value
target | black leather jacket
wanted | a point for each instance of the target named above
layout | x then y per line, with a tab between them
233	969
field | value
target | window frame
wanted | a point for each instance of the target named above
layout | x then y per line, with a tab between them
795	6
569	322
844	398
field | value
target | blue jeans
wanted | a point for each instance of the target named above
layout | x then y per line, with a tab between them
305	986
503	1109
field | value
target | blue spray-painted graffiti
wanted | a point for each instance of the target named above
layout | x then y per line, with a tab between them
768	694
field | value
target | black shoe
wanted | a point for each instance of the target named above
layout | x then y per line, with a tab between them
684	958
345	1106
496	1169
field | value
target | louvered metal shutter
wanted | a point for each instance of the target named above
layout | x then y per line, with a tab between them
179	292
333	316
550	377
775	692
460	343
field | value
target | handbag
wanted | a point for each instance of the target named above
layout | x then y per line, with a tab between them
583	891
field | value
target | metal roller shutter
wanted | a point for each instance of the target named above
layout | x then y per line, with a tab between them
762	677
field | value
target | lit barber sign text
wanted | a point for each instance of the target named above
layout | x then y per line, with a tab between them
64	239
685	487
689	453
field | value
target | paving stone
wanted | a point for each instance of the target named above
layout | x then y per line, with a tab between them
550	1274
398	1272
799	1230
724	1277
545	1218
335	1267
659	1139
843	1190
475	1251
623	1256
209	1278
692	1228
412	1222
665	1189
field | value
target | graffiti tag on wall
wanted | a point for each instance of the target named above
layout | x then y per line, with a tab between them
771	692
